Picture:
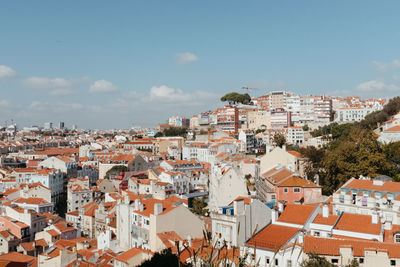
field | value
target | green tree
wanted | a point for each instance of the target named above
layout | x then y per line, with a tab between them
392	154
199	206
359	154
234	98
306	128
279	139
315	260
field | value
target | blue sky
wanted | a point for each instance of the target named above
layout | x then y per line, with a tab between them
108	64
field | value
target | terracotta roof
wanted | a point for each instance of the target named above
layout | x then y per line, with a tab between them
277	176
330	220
296	181
148	205
53	232
327	246
296	213
272	237
247	200
358	223
295	153
17	257
368	185
393	129
28	246
125	256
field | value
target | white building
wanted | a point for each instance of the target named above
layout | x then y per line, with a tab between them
236	223
295	135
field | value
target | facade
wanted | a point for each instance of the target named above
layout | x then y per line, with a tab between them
236	223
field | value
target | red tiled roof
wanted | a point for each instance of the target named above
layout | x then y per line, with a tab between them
328	246
272	237
358	223
330	220
296	213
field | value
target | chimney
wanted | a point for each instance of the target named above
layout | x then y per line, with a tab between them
189	239
158	208
325	211
274	216
280	207
388	225
127	200
141	208
284	147
238	207
301	238
137	204
375	218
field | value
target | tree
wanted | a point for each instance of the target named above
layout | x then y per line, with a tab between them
359	154
279	139
315	260
306	128
234	98
199	206
115	170
392	154
164	258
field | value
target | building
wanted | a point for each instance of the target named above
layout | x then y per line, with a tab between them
176	121
277	100
140	218
61	125
295	135
369	196
227	119
48	125
237	222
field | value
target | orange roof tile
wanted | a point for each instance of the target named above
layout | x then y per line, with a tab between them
125	256
331	246
296	181
330	220
272	237
296	213
358	223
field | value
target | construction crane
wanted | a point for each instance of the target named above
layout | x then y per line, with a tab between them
249	89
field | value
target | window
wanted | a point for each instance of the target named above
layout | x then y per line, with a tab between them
316	233
397	238
276	262
266	260
289	263
285	190
335	261
361	260
392	262
296	190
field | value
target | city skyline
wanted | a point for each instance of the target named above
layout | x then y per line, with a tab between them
107	65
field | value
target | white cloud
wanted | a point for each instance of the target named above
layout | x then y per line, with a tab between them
54	107
184	58
382	66
46	83
61	92
102	86
167	94
4	103
6	72
376	86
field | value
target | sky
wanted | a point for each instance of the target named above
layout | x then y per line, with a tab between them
111	64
